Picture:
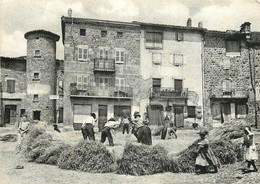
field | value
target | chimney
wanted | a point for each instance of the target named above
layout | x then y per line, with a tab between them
189	22
69	12
200	24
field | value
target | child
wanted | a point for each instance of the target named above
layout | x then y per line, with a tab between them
250	149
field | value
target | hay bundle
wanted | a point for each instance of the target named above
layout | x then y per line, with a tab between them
35	143
225	151
156	130
9	138
52	154
87	156
144	160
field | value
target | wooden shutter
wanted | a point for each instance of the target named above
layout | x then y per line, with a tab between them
10	86
79	81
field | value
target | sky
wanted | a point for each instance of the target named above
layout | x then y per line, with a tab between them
20	16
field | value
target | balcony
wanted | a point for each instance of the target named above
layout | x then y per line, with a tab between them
229	93
104	65
168	93
100	91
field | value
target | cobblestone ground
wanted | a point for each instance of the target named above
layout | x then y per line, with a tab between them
43	174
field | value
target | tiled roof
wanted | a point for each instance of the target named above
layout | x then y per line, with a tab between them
41	31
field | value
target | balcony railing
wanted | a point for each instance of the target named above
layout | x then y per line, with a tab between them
169	93
101	91
102	64
229	93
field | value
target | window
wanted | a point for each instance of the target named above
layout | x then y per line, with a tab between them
119	35
178	85
191	111
178	59
156	85
10	86
103	53
233	46
36	76
179	36
37	54
82	53
153	40
35	97
104	81
60	89
120	55
120	83
103	34
157	58
226	63
22	112
82	82
227	87
37	115
82	32
241	111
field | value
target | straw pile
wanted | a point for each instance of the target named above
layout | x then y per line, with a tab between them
52	153
9	138
35	143
87	156
144	160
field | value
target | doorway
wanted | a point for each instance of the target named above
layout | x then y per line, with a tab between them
37	115
10	114
178	116
102	116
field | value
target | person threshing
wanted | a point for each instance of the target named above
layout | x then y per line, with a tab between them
251	154
168	130
87	128
106	131
141	130
23	128
205	156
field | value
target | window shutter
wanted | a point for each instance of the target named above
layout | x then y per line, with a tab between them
85	54
80	52
79	81
85	81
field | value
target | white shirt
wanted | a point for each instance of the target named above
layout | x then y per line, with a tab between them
112	124
89	120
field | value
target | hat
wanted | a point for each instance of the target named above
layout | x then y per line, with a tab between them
166	118
137	114
111	119
203	132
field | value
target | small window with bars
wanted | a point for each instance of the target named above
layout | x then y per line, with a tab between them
82	32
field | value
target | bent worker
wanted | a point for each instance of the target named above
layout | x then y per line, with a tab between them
106	131
87	128
23	129
142	131
205	156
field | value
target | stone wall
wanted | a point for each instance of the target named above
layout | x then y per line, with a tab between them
214	55
129	69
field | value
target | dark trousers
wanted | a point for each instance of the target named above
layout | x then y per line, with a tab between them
126	127
88	132
144	135
164	131
107	134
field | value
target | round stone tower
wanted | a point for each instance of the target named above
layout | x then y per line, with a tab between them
41	75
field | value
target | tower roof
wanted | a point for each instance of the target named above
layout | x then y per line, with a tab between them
41	31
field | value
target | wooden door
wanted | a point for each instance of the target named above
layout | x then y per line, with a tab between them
10	114
226	110
178	116
102	116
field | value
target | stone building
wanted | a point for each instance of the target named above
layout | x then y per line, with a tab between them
228	76
28	83
102	69
171	63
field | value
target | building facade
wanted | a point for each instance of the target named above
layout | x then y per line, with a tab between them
171	63
102	69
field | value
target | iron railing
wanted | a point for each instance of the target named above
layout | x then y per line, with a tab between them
102	64
164	92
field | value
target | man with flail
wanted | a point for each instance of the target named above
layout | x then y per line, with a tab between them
106	131
87	128
141	130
